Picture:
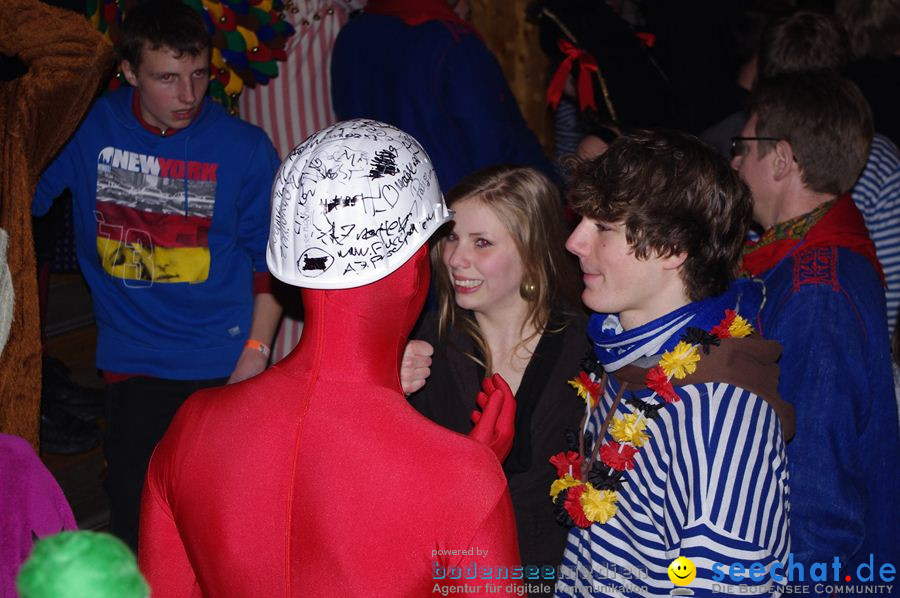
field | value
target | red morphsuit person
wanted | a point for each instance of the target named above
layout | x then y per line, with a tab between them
316	478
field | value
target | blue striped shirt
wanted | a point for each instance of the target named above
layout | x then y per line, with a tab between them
566	128
877	195
710	484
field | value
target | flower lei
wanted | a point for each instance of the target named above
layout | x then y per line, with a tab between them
586	491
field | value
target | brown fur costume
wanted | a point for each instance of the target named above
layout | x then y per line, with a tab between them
66	62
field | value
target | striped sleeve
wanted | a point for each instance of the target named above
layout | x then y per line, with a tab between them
877	195
565	128
710	484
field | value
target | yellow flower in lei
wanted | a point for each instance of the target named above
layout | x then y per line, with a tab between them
629	428
562	483
740	327
586	388
599	505
680	361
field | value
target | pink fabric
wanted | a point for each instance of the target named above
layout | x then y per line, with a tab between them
31	504
317	478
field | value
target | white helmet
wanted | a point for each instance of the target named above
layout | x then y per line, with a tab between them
350	205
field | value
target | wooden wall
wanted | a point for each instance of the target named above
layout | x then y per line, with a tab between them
515	44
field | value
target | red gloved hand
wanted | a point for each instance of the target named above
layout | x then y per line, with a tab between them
495	423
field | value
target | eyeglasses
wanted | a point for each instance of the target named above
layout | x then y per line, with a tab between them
739	146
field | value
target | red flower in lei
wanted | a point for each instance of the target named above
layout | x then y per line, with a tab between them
658	382
574	508
563	461
722	328
618	460
586	388
591	386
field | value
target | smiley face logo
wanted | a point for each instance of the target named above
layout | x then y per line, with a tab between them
682	571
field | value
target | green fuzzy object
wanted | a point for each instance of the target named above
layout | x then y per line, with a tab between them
235	41
81	565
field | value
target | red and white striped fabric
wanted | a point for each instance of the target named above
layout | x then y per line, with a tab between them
297	103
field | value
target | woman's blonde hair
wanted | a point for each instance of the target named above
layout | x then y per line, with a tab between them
528	205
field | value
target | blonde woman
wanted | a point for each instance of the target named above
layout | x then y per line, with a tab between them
508	304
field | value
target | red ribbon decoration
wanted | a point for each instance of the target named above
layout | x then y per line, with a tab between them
416	12
841	226
647	38
587	64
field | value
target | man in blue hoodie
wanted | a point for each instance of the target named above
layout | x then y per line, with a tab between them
171	213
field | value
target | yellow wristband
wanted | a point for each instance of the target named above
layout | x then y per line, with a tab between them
258	346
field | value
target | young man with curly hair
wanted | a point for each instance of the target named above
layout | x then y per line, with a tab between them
683	451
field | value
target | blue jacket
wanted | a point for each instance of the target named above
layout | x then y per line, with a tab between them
825	305
168	232
439	83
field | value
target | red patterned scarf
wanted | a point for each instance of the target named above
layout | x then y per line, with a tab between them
835	224
416	12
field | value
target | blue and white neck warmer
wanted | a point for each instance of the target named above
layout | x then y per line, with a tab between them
616	348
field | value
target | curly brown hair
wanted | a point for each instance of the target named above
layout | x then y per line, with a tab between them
674	194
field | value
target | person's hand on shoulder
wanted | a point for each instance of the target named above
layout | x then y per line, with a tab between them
415	366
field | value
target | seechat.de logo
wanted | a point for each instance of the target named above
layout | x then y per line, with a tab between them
682	572
795	571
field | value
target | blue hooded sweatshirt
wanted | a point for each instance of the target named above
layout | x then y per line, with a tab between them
168	231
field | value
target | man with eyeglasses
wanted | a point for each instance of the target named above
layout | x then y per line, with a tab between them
800	153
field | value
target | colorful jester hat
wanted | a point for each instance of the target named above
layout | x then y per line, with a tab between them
248	38
81	565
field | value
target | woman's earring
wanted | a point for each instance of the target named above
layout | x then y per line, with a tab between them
528	291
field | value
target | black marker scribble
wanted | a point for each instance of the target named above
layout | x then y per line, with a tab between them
314	263
318	166
340	202
384	163
280	225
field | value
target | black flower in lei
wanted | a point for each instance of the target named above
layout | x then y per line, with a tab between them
603	477
650	410
572	441
590	365
698	336
559	509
